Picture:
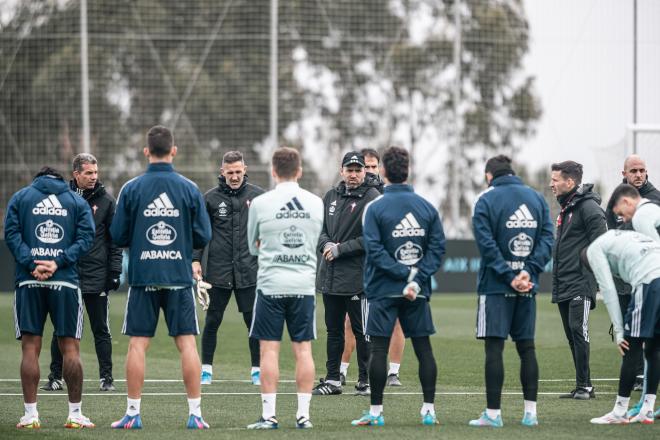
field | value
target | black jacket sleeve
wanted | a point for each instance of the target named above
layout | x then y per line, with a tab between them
114	251
595	223
324	238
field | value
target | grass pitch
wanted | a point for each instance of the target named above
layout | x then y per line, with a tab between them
231	402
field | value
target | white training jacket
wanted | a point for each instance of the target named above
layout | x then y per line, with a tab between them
647	219
283	230
629	255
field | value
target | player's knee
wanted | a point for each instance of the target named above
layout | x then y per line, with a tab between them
525	348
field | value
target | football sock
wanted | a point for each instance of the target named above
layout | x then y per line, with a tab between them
31	409
529	369
255	370
304	400
195	407
375	410
268	401
493	413
428	371
427	408
343	368
394	368
621	406
649	403
75	409
207	368
530	406
133	406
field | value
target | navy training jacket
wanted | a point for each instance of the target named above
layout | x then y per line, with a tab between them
513	232
160	217
401	230
48	221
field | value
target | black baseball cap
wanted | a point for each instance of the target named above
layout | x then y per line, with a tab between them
353	157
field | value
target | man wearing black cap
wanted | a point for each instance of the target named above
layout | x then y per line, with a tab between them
339	274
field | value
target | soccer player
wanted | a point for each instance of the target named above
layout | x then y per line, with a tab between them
634	173
404	244
47	229
513	232
635	258
283	229
339	275
398	341
580	221
230	267
161	218
99	271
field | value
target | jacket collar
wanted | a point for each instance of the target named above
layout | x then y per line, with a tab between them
160	166
509	179
225	188
398	187
87	194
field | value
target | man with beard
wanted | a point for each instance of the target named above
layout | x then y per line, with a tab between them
580	222
230	267
339	275
99	272
634	173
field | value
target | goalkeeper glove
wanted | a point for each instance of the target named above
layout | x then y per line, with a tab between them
203	294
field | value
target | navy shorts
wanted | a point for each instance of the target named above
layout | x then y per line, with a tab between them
270	313
643	316
143	307
414	316
33	302
499	316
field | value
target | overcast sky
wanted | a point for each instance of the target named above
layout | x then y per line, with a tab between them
582	56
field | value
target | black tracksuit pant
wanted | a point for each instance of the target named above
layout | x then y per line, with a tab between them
637	358
219	298
97	311
336	307
575	318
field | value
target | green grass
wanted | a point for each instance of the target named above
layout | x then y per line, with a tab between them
460	370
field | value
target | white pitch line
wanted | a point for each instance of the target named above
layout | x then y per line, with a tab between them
454	393
290	380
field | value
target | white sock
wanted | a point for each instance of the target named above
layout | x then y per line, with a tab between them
493	413
303	405
589	388
394	368
207	368
31	409
132	406
427	408
343	368
268	401
255	370
75	409
376	410
649	402
195	407
530	407
336	383
621	405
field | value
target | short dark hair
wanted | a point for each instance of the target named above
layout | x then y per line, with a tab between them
569	170
396	162
621	191
286	162
160	141
232	157
82	159
370	152
499	165
49	171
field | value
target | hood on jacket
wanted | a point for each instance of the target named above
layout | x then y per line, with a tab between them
87	194
360	191
584	191
224	186
50	185
646	189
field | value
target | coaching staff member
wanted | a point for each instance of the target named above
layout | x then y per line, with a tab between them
339	276
404	244
160	218
513	231
47	229
99	272
580	221
230	267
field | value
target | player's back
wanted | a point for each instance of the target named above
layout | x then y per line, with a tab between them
287	222
160	217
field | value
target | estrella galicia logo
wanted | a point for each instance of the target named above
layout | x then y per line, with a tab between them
521	245
292	238
161	234
409	253
292	209
49	232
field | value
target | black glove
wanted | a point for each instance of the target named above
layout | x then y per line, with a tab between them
112	283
